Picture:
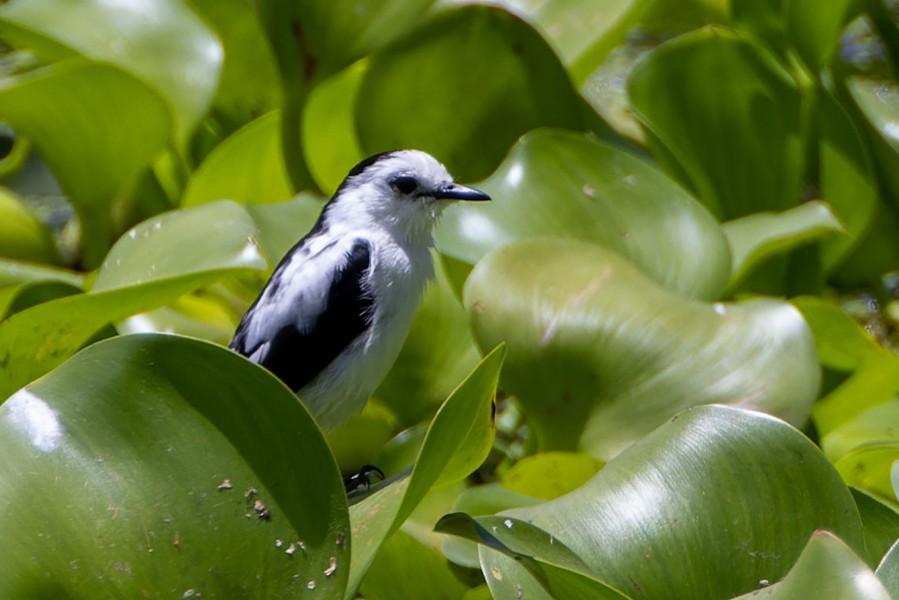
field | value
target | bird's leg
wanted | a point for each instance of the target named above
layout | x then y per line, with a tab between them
362	478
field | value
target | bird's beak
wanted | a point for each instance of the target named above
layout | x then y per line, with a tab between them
454	191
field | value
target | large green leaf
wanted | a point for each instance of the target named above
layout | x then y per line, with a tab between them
22	235
815	28
246	167
562	184
457	442
550	566
728	121
583	31
881	525
164	44
153	264
759	236
412	90
599	355
709	504
126	472
827	568
879	103
888	570
96	127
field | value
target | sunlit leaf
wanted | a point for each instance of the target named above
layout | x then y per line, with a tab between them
205	426
706	506
164	44
22	235
599	355
729	121
758	236
74	112
562	184
156	262
827	568
440	66
246	167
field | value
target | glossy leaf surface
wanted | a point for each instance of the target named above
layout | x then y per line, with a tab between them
204	425
599	355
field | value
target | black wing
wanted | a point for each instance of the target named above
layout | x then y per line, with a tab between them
296	356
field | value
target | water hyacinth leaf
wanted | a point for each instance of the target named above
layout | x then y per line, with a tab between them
879	103
73	113
679	514
248	85
206	426
280	225
844	346
548	475
759	236
13	272
22	235
164	44
848	183
827	568
548	561
329	131
599	355
406	568
456	443
157	262
16	298
729	120
247	167
562	184
888	570
440	66
881	525
814	29
583	32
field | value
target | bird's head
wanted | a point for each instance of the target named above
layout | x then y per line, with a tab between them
405	190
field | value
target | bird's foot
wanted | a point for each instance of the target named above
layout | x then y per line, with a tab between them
362	479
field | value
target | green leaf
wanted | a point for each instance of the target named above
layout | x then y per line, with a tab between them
757	237
204	425
548	475
814	28
706	506
549	564
281	224
15	271
729	121
843	345
888	570
22	235
16	298
878	102
457	442
329	131
562	184
249	84
246	167
848	183
153	264
599	355
165	45
406	568
440	66
583	32
75	114
881	525
827	568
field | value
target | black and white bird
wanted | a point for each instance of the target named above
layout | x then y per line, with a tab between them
332	318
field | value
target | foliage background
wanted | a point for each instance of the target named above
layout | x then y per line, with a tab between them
684	291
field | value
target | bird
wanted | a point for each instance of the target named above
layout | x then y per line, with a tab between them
333	316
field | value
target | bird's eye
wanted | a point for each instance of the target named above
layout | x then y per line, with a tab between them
405	185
